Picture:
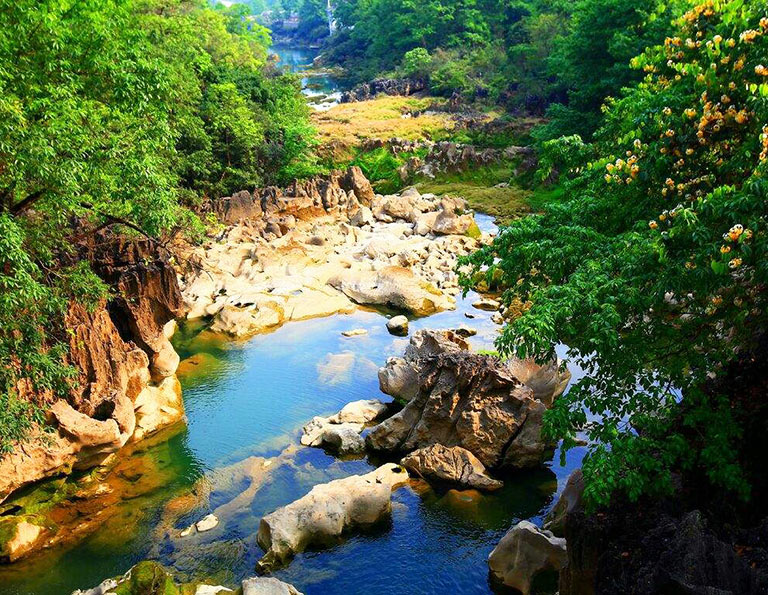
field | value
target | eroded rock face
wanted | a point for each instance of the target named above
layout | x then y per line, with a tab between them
453	465
126	386
385	86
329	510
547	381
459	398
524	552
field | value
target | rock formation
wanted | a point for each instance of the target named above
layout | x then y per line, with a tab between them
320	247
126	386
459	398
455	465
385	86
329	510
341	432
524	552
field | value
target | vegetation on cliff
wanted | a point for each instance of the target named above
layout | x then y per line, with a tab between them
122	113
653	267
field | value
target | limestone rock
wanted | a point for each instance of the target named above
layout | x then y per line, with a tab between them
453	465
547	381
392	286
361	412
398	325
268	586
326	512
486	304
344	438
17	537
568	502
355	332
459	398
524	552
355	180
207	523
211	590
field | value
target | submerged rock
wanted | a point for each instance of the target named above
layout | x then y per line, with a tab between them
329	510
17	537
207	523
453	465
524	552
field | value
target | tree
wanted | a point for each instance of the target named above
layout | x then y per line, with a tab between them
653	270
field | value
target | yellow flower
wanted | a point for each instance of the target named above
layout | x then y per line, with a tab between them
735	262
653	225
761	70
717	38
662	217
725	249
608	178
689	151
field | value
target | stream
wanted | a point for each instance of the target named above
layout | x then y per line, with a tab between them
246	399
321	88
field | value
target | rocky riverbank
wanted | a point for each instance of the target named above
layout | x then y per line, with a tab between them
322	247
126	389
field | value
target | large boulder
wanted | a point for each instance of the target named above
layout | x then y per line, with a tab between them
524	552
393	286
459	398
453	465
329	510
355	180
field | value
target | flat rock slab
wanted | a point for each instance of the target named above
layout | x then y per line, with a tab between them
268	586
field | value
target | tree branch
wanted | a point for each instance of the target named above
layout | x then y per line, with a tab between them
27	202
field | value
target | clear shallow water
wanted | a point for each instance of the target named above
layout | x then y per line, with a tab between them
251	398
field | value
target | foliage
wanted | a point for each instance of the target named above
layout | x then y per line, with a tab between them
112	114
653	268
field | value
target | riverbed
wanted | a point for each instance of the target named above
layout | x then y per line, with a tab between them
321	88
247	399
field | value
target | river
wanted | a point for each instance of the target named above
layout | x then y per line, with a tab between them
251	398
321	88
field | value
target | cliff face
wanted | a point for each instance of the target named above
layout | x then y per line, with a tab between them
126	386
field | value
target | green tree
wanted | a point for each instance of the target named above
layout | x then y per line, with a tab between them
653	270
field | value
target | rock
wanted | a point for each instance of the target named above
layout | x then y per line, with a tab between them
453	465
450	222
105	587
207	523
395	287
569	501
355	180
459	398
361	217
268	586
17	537
398	325
547	381
330	509
386	86
344	438
466	331
524	552
400	376
241	322
237	208
362	412
486	304
388	208
312	433
355	332
211	590
165	362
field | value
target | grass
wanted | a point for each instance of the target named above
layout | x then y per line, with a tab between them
349	125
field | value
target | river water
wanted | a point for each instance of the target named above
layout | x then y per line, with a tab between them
246	399
321	88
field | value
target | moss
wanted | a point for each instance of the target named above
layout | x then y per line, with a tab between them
474	231
148	578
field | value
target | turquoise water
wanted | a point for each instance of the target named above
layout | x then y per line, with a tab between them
318	87
251	398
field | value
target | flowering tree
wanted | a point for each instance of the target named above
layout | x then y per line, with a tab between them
653	270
